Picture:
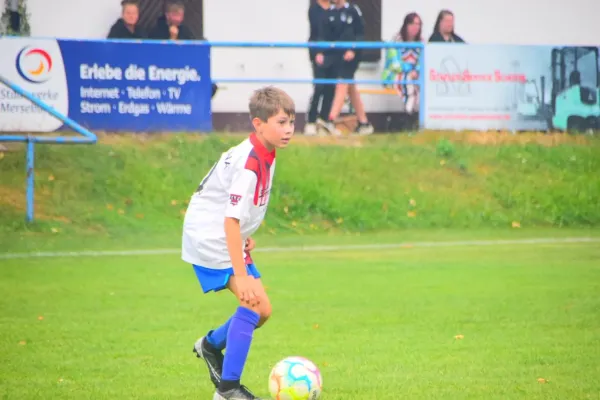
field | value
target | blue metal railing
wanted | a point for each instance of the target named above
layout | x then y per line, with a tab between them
89	138
327	46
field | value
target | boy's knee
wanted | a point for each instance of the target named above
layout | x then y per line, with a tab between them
263	309
264	313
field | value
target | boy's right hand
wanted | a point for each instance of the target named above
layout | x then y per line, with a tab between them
246	290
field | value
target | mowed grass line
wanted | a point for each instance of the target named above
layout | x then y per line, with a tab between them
380	324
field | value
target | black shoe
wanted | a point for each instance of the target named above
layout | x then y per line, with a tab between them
239	393
247	391
212	357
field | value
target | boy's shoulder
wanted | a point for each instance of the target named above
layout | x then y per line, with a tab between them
239	152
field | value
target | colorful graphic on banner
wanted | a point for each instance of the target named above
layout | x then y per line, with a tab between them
508	87
103	85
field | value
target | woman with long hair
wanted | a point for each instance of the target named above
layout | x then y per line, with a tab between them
402	64
443	30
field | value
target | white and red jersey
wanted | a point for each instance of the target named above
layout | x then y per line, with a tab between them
237	186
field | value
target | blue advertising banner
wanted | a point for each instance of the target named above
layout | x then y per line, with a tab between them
510	87
109	86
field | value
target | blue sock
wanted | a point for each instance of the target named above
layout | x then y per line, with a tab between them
218	337
239	339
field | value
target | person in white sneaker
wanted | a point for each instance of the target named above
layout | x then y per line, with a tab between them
344	23
315	117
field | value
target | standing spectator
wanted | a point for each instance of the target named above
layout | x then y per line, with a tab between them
316	13
170	26
402	63
343	23
127	26
444	29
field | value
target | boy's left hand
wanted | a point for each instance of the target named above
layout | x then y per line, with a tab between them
250	244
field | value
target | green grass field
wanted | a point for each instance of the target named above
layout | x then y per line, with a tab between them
504	321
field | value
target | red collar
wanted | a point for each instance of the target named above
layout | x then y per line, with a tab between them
261	150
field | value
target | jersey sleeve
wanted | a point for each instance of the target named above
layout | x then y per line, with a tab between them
241	194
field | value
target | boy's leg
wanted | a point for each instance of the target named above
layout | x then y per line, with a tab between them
346	70
359	107
210	347
244	321
239	338
330	72
217	338
313	110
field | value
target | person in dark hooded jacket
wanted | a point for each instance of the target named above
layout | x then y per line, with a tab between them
170	26
127	26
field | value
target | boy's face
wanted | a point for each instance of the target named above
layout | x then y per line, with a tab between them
277	131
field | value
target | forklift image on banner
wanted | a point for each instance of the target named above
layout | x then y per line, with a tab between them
575	98
531	100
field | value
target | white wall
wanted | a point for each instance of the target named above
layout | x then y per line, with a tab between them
482	21
86	19
545	22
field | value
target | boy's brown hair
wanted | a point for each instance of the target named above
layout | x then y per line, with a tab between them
268	101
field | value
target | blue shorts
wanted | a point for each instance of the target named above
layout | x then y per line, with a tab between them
217	279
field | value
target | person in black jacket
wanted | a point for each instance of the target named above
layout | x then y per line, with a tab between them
170	26
444	29
316	12
343	23
127	27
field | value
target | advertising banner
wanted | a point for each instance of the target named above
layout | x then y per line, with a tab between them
104	85
510	87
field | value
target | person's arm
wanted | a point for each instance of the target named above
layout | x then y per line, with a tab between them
235	246
314	30
314	23
358	24
241	200
357	33
322	37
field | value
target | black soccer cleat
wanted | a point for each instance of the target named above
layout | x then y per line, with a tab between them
212	357
239	393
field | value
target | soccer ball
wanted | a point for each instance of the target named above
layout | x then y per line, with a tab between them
295	378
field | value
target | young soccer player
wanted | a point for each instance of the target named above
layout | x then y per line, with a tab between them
226	209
